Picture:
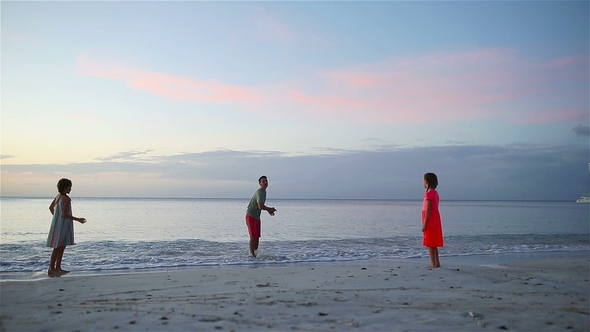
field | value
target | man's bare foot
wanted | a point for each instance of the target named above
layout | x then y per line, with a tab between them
63	271
432	267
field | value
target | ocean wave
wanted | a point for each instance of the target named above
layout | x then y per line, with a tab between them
114	256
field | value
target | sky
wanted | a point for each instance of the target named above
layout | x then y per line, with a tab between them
330	100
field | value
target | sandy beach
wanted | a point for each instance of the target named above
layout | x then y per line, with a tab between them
515	292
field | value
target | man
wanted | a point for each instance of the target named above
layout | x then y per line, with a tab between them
253	212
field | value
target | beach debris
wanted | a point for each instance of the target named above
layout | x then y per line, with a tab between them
353	324
308	304
322	314
481	323
217	327
132	322
503	327
363	268
164	318
264	285
61	289
474	315
209	319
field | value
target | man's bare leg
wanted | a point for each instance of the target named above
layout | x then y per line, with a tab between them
254	245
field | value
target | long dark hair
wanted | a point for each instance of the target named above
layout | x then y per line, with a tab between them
432	180
62	185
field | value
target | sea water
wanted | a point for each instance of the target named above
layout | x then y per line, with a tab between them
139	234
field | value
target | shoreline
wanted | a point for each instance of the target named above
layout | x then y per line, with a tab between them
533	291
455	260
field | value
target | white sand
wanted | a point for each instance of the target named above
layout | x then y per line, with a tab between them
523	292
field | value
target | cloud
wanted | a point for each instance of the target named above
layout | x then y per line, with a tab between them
7	156
425	88
125	156
271	29
168	86
555	115
451	85
581	130
531	172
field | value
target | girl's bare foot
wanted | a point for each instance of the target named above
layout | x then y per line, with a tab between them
55	272
63	271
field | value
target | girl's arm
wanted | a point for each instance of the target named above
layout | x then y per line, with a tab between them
67	203
52	206
426	215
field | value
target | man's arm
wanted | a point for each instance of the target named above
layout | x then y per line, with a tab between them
270	210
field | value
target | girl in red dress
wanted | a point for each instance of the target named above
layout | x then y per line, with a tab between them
431	222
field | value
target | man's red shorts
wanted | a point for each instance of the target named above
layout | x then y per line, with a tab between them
253	226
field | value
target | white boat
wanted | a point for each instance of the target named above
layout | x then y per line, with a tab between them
586	197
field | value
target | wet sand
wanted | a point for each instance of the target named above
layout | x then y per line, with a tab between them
523	292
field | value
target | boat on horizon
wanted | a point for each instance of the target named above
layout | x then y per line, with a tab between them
584	199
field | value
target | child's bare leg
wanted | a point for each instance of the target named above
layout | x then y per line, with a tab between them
433	253
436	261
60	255
254	245
52	260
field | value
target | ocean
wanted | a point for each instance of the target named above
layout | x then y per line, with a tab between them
143	234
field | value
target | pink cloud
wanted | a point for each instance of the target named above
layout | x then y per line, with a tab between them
555	115
562	62
439	86
445	86
168	86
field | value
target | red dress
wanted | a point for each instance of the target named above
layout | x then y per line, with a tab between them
433	236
